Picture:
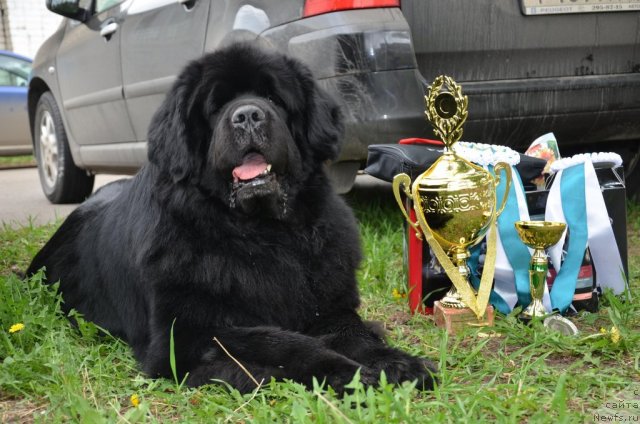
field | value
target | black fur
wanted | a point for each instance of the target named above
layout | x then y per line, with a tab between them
268	269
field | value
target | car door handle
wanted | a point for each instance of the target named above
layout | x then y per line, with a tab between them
109	29
188	4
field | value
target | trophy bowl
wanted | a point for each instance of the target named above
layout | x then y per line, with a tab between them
456	200
538	235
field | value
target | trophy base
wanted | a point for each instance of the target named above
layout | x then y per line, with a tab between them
455	319
452	302
535	310
528	318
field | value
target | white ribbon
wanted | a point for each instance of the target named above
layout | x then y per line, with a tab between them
505	283
602	241
553	212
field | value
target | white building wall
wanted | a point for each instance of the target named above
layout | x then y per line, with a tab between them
30	23
5	40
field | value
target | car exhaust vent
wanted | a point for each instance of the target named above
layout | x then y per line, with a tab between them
317	7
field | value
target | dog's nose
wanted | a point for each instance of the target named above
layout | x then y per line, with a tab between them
247	116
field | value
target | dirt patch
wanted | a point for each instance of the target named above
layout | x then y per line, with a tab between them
19	411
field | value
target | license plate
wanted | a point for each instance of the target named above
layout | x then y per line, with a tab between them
554	7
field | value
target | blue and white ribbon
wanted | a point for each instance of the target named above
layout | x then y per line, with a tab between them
504	295
575	198
510	288
512	260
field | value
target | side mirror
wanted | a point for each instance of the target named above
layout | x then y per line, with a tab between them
68	8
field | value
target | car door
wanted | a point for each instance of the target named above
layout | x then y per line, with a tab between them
14	119
159	37
90	77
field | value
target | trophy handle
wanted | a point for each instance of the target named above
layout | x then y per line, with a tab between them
507	169
402	182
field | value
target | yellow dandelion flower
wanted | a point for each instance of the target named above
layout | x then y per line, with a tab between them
135	400
615	335
397	295
16	327
603	330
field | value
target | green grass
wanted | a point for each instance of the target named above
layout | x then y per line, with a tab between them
24	160
50	372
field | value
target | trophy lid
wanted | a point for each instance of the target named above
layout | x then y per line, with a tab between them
446	109
453	172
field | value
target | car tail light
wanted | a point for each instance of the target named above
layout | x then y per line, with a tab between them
317	7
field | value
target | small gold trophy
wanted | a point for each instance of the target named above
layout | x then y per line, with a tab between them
538	235
455	205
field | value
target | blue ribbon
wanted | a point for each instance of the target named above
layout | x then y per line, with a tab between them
517	253
572	186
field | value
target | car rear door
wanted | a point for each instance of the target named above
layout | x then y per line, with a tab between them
90	77
14	121
159	37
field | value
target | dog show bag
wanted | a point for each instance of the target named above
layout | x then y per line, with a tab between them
385	161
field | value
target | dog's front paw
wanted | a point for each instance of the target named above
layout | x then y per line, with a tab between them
399	366
339	380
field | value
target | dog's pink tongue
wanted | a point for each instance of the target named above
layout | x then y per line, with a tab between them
253	165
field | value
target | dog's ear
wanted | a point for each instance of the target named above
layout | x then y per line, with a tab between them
325	128
178	131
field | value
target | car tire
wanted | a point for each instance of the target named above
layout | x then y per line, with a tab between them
343	175
61	180
633	179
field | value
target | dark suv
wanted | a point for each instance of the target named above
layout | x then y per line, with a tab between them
528	66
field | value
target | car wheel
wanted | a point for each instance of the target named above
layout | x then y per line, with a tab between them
61	180
343	175
633	177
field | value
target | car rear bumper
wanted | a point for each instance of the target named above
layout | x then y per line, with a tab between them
580	110
365	59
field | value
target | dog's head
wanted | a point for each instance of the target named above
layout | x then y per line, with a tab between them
247	126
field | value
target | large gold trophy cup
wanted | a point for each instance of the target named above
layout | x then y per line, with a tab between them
455	205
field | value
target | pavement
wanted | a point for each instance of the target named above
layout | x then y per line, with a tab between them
22	201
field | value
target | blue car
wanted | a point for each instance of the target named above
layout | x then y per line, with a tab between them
15	136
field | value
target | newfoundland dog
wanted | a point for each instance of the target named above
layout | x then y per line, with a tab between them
231	231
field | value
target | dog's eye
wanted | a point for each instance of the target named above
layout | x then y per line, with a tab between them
275	100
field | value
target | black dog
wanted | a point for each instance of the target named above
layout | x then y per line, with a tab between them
230	231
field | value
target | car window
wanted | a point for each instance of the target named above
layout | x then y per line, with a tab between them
102	5
14	72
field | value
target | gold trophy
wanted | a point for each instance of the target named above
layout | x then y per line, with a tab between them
538	235
455	205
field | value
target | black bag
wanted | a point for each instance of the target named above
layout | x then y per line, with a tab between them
385	161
